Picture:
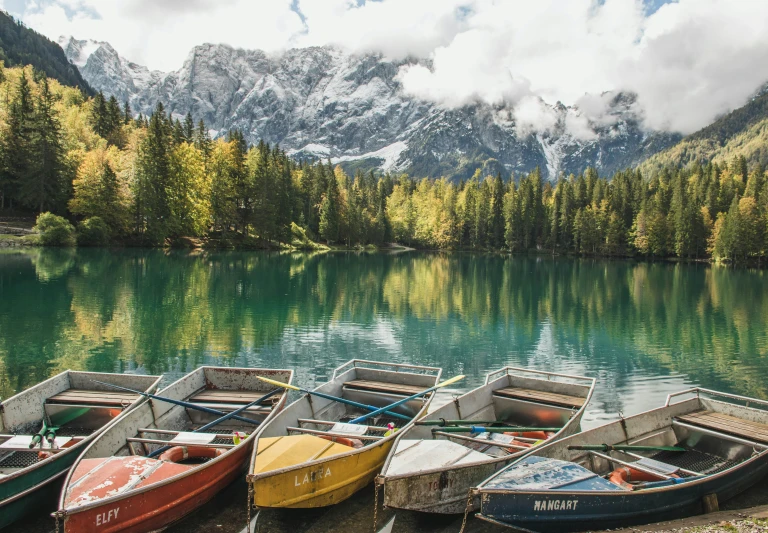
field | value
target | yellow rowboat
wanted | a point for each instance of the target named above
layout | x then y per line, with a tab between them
310	456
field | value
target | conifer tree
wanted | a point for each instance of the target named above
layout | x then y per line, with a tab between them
329	212
19	161
189	128
127	113
44	188
497	213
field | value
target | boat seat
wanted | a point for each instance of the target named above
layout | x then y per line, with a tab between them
93	397
727	424
238	397
383	386
550	398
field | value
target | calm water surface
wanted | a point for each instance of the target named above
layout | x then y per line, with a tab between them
643	330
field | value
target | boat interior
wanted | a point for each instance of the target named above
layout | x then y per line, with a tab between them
61	412
316	428
542	403
701	436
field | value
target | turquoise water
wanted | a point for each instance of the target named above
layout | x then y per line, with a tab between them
642	329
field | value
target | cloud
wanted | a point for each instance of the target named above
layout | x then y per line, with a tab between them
161	33
688	61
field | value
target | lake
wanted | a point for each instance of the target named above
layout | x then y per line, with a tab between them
643	330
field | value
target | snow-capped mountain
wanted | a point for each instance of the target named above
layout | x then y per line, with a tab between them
321	102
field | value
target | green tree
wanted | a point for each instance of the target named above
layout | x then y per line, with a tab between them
329	213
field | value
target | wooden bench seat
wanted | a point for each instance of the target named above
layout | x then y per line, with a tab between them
240	397
93	397
551	398
383	386
728	424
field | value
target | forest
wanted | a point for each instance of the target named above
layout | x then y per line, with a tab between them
153	180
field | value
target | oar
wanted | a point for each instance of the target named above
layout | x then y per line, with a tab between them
442	422
329	397
224	418
179	402
481	429
405	400
628	448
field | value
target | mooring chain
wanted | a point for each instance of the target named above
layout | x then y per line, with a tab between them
466	512
56	519
375	504
248	507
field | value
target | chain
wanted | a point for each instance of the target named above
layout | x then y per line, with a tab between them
56	519
375	504
248	506
466	512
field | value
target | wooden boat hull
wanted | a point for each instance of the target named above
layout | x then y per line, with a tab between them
299	474
114	489
590	511
163	504
445	490
556	497
27	490
32	500
321	483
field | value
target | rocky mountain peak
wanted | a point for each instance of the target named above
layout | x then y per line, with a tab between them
321	102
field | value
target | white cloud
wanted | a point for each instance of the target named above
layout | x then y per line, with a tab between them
688	61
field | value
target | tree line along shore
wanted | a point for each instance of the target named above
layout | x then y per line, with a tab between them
99	175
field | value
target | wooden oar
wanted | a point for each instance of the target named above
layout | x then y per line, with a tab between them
443	422
224	418
181	403
405	400
629	448
481	429
329	397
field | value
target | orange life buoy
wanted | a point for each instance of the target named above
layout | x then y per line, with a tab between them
625	475
354	443
178	454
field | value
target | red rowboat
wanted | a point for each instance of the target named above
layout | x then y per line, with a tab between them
154	467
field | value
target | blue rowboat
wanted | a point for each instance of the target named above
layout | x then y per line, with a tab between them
560	487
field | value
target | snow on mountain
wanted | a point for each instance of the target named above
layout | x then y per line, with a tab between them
320	102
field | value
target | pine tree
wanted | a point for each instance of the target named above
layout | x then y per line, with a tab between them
127	113
153	210
497	213
329	212
189	128
45	189
19	161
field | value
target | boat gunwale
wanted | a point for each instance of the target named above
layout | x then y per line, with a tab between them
64	511
86	441
576	418
250	477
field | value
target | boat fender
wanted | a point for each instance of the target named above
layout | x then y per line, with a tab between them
178	454
354	443
625	475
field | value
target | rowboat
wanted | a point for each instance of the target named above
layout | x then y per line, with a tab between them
163	460
311	456
72	410
433	467
680	459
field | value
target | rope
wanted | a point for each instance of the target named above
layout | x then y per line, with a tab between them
375	505
248	506
466	512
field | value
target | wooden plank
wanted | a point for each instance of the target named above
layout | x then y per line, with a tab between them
75	396
229	396
552	398
728	424
737	424
383	386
